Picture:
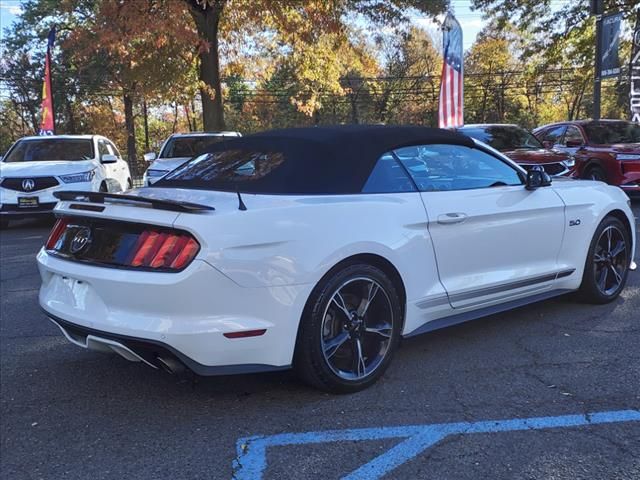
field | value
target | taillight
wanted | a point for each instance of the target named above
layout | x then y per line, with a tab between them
55	234
163	250
122	244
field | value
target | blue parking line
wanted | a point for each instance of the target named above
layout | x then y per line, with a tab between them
251	460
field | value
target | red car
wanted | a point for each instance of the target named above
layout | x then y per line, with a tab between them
605	150
521	146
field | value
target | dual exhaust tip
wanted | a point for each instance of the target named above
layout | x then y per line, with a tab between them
171	365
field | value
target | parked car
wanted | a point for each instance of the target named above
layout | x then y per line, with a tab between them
318	248
605	150
34	168
179	148
521	146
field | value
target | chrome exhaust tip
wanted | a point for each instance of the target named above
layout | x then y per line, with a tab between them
171	365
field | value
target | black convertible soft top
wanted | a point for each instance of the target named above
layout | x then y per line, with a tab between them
317	160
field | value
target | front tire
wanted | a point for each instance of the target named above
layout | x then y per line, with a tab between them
350	330
607	265
596	173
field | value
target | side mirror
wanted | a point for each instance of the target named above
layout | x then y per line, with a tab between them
573	143
149	157
536	178
108	158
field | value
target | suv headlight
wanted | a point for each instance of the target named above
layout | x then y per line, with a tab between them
569	163
156	173
627	156
78	177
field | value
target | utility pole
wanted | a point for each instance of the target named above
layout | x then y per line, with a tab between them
597	81
597	9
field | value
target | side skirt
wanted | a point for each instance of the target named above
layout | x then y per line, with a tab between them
483	312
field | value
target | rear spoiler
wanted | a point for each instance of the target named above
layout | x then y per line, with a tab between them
104	197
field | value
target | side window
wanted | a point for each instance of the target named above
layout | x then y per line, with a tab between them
554	135
102	148
388	176
454	167
573	135
113	149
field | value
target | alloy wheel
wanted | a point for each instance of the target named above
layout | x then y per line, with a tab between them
610	260
357	326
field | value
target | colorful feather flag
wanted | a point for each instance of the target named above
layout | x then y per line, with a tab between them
48	127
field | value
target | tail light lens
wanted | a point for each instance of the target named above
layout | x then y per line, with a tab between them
56	233
163	250
122	244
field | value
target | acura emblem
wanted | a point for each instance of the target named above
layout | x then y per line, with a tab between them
81	239
28	184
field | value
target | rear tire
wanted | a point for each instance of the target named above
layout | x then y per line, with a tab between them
607	265
596	173
349	330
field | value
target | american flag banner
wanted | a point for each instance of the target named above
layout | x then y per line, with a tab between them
450	107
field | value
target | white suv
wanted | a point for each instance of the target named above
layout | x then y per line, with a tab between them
179	148
36	167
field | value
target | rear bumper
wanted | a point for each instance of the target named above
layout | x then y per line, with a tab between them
149	352
185	314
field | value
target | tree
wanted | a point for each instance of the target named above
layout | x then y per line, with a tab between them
549	24
142	48
293	21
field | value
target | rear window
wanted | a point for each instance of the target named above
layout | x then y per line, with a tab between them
51	149
607	133
228	169
187	147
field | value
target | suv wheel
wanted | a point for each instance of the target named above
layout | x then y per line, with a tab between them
596	173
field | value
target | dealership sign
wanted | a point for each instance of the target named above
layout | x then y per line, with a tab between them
609	46
634	75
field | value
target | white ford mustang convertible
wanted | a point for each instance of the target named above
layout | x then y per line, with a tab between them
319	248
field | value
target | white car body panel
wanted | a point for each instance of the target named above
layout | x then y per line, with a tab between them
257	268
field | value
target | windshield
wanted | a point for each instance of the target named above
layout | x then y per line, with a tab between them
187	147
607	133
503	138
51	149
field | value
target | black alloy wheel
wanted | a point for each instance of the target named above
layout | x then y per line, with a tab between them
350	330
607	265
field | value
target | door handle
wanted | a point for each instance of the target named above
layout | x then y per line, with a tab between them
450	218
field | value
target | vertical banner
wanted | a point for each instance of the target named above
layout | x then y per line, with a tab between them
48	127
634	74
610	45
450	105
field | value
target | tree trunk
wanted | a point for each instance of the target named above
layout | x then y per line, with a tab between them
145	116
207	21
132	155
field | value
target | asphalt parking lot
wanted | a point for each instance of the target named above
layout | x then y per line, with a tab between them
66	413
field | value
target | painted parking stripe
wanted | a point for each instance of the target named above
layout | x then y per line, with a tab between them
251	460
